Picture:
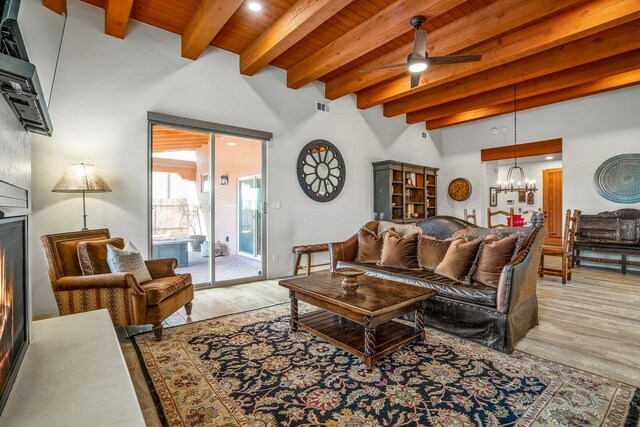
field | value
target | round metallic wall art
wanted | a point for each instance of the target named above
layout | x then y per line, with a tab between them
321	170
618	178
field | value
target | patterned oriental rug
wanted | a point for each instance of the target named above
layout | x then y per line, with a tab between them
249	369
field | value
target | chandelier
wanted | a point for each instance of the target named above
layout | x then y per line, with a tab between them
515	172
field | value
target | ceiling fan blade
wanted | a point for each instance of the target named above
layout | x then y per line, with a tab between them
382	67
415	79
453	59
419	44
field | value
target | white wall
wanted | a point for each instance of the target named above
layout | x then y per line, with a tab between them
593	129
103	90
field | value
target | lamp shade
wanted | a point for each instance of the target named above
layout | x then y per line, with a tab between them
80	178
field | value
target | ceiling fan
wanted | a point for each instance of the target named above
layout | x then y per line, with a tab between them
418	60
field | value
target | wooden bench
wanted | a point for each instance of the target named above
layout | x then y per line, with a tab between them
308	250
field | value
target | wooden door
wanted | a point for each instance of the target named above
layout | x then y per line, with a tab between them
552	205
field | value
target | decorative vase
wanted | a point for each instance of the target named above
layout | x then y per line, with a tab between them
350	281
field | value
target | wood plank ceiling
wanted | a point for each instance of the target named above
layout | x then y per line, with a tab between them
549	50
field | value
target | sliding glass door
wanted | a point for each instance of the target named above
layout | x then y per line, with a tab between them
206	203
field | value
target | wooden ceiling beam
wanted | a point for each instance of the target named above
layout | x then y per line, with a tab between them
116	17
529	149
619	81
57	6
561	80
572	25
602	45
383	27
206	22
296	23
479	26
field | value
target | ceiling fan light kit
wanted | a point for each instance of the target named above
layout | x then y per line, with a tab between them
419	60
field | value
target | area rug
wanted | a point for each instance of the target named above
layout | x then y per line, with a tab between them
249	369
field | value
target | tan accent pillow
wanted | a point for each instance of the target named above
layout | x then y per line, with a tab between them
495	254
400	252
431	251
93	255
459	260
401	229
369	246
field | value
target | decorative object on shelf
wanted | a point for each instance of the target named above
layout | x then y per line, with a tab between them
81	178
460	189
523	184
618	178
493	197
350	274
522	196
530	197
321	170
409	182
224	179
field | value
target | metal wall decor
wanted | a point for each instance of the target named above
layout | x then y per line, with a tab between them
321	170
618	178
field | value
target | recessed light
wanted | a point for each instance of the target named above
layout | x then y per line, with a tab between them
417	66
233	144
254	6
549	157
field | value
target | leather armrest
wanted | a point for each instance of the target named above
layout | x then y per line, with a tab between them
97	281
343	251
163	267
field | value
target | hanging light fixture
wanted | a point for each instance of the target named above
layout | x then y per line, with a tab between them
515	171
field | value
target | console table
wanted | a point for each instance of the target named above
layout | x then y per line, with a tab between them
73	374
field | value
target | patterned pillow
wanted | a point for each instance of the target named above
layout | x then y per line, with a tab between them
401	229
127	260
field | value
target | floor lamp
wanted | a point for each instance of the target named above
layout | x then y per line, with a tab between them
81	178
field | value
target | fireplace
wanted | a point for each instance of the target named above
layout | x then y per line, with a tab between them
14	321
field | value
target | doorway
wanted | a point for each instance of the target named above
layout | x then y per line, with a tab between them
552	205
206	202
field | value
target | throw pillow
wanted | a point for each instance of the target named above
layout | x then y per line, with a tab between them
431	251
401	229
369	246
128	260
495	254
459	260
399	252
93	255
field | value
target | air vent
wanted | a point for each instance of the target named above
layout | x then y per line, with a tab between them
322	106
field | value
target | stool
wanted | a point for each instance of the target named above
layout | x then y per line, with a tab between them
307	250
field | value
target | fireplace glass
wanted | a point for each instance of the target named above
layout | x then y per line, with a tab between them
13	306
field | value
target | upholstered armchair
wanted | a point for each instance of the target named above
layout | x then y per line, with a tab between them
78	289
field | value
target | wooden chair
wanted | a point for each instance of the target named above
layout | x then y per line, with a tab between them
495	213
565	251
307	250
528	212
471	217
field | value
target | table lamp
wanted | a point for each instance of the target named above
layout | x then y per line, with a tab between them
81	178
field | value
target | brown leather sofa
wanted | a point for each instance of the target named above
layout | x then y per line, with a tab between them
497	318
128	302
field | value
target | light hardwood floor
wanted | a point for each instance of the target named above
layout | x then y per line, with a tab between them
592	323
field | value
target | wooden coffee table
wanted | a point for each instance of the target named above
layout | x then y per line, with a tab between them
360	323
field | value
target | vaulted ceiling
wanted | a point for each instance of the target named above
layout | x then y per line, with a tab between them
549	50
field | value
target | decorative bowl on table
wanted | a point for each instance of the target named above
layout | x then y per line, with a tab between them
350	274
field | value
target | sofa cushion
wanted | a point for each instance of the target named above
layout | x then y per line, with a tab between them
459	260
369	246
158	290
401	229
495	254
431	251
474	292
93	255
399	252
128	260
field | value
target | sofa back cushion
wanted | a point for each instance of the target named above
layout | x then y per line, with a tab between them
495	254
431	251
93	255
459	261
443	227
369	246
400	252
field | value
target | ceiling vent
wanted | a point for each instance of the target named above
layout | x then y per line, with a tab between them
322	106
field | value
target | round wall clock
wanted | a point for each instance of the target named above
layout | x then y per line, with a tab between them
460	189
321	170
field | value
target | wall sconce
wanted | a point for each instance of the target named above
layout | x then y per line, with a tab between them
224	179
